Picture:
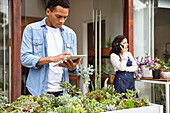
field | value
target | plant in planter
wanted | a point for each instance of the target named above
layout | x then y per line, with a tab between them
105	99
3	101
146	66
143	70
155	66
85	73
70	89
165	69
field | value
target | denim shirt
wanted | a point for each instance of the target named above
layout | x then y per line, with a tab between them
34	46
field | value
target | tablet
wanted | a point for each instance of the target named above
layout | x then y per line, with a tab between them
73	57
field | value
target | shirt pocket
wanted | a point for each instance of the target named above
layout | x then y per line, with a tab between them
38	46
69	47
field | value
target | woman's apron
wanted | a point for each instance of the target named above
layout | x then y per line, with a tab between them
124	80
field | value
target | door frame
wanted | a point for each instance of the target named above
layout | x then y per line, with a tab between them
16	71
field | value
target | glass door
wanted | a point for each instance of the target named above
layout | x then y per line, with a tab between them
5	52
107	24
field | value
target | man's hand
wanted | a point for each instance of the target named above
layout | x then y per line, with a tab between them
61	56
46	60
70	64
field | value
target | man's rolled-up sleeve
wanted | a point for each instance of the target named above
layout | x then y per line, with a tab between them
28	59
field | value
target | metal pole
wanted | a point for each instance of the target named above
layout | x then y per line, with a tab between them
100	23
4	47
152	31
96	43
167	97
9	94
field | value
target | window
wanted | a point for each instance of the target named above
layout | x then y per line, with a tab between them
5	54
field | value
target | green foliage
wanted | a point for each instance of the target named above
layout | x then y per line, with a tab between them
93	106
106	43
46	101
70	109
84	72
109	89
97	94
24	103
97	82
70	89
105	99
106	69
3	99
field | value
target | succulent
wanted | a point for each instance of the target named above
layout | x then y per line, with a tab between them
104	99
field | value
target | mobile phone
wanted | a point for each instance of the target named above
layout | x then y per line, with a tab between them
118	46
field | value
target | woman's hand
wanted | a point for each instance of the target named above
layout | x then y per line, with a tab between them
125	49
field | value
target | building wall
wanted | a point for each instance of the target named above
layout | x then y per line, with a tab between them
81	13
33	8
162	32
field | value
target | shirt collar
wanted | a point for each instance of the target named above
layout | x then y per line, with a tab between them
43	24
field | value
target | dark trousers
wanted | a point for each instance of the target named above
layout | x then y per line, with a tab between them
56	94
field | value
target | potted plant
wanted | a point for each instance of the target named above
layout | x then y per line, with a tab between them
166	70
143	69
101	100
85	73
155	66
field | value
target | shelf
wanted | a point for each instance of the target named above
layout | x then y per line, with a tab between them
105	52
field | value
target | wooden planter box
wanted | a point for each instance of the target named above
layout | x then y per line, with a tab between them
153	108
104	52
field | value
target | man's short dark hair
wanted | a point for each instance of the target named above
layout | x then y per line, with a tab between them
51	4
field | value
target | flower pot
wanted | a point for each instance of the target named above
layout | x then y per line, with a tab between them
145	71
156	74
166	75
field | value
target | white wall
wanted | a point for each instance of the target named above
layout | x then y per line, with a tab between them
81	13
33	8
162	31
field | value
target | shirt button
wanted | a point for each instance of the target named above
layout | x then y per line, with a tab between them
119	78
125	74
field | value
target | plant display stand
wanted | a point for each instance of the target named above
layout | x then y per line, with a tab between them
153	108
166	82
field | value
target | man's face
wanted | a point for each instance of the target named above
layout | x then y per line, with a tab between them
57	17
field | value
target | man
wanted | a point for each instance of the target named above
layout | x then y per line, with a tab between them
43	44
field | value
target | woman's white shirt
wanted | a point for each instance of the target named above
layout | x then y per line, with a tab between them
121	65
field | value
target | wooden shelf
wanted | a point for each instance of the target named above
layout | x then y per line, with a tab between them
104	52
151	78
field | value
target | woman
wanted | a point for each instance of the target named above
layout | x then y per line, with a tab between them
123	63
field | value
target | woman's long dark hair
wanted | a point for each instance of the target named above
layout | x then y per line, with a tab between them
118	39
